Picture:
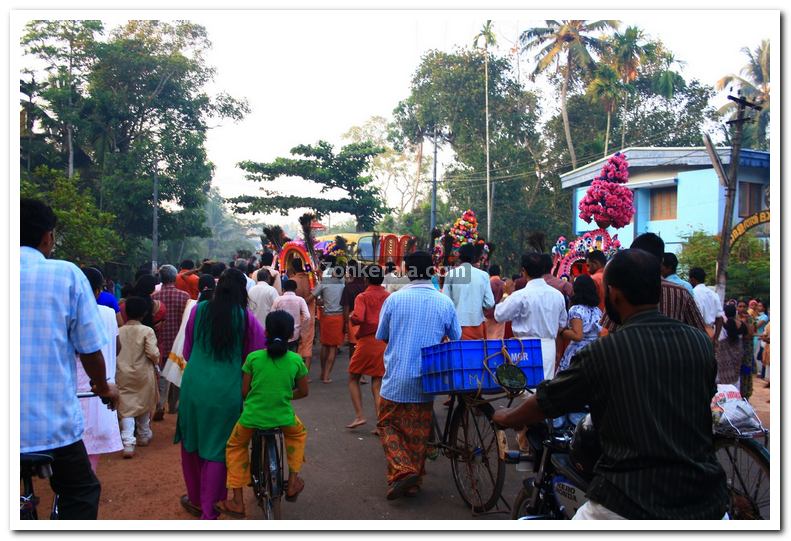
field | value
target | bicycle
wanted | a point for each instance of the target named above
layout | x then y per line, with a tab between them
37	464
746	464
266	468
469	440
472	441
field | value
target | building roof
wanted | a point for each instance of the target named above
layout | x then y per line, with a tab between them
665	156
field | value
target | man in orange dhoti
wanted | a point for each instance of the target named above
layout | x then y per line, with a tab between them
331	325
368	357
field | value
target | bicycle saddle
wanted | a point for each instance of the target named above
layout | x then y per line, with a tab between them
267	432
35	459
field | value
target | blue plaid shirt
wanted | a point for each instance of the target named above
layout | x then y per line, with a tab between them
58	316
413	317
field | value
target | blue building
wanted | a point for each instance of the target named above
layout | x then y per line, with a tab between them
677	191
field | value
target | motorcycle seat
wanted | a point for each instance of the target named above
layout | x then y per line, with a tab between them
564	466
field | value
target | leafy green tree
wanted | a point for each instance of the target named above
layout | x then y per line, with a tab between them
321	165
626	52
228	235
605	89
570	38
444	93
748	271
753	82
67	48
127	107
84	234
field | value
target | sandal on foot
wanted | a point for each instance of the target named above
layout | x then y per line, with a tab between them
221	508
300	487
189	507
400	487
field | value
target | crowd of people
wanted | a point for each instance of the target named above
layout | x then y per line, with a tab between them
228	347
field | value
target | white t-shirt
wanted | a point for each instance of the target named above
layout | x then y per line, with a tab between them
538	310
708	303
261	298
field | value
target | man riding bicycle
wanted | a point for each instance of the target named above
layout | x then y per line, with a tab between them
649	387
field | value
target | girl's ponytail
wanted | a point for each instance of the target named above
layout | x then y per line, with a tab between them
279	328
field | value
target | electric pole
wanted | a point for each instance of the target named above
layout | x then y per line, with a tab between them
731	185
155	233
434	189
488	181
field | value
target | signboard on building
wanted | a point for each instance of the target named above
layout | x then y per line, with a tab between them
748	223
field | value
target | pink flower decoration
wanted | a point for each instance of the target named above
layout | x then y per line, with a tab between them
607	198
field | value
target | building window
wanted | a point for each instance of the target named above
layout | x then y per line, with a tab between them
663	203
750	195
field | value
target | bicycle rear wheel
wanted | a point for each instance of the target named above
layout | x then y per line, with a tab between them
746	465
478	472
273	459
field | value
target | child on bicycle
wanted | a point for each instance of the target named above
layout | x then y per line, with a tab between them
272	379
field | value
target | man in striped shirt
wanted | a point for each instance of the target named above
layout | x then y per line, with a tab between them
654	426
675	301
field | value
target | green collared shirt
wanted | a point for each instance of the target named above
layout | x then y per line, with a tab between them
649	388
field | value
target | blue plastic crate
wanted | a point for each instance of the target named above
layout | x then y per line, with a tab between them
458	366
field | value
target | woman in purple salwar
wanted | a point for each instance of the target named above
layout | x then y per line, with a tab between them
220	334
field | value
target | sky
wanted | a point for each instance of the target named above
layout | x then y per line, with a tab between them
312	75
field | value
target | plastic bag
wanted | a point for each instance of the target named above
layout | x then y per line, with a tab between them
733	415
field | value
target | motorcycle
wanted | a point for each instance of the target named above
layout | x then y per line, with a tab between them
560	480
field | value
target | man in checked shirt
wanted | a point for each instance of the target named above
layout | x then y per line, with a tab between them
675	301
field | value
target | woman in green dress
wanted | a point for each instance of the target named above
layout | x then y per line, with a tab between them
220	333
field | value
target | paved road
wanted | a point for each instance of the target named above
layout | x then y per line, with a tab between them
345	469
344	473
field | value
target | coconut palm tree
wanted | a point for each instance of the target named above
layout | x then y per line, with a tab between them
487	35
572	39
753	82
606	88
627	52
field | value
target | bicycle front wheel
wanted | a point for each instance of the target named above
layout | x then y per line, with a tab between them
478	472
746	465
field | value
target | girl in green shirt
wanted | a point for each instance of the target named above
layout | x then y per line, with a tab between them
272	378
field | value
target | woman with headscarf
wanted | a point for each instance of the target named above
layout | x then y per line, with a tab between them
220	333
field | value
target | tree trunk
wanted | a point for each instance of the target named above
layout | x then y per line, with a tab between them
416	189
623	119
564	113
607	135
29	122
69	135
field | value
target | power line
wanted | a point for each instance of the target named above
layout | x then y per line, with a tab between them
528	174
